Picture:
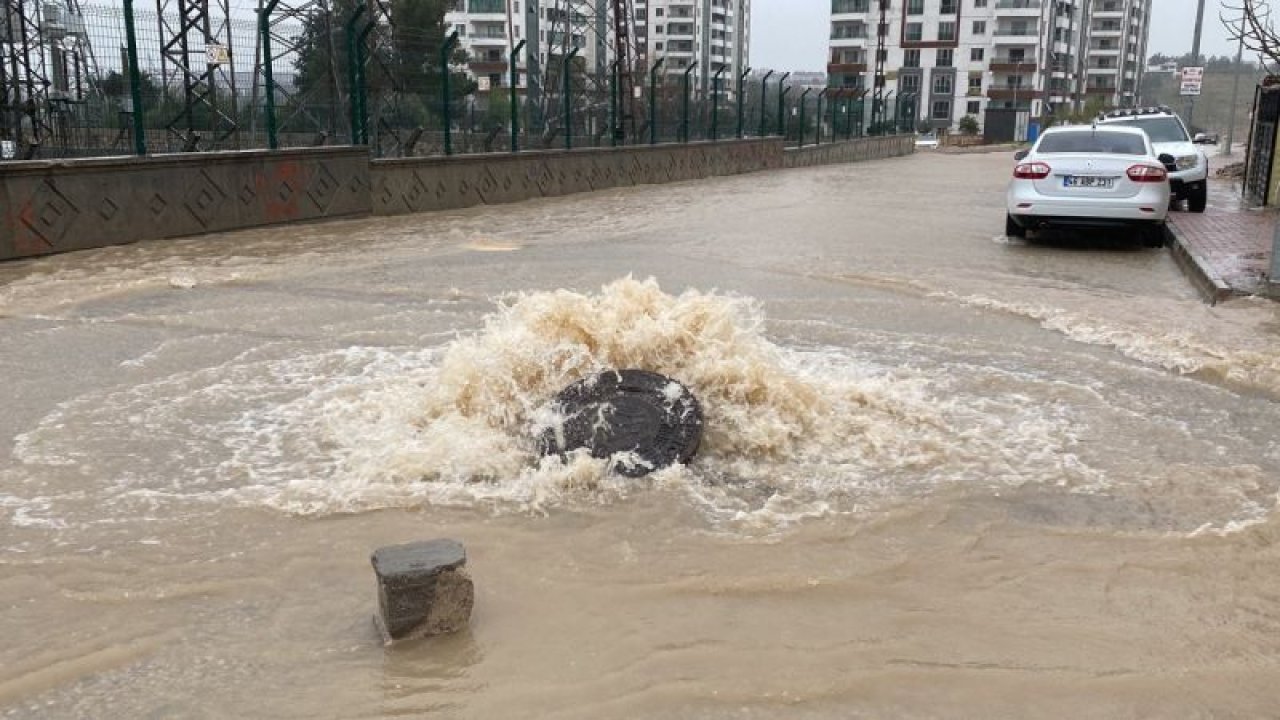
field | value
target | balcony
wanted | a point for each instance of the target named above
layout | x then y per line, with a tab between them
488	67
1016	36
1018	8
1100	90
1010	93
1017	68
846	68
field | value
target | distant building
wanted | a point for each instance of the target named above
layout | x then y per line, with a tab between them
944	59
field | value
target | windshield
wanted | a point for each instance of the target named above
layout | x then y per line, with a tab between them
1093	141
1159	129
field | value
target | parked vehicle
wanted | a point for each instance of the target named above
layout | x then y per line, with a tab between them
1205	139
1100	176
1187	164
928	141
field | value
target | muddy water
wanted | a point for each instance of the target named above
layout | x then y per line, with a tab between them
945	474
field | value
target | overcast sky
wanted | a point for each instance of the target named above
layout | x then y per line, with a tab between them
793	34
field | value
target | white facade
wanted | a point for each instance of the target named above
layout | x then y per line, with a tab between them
711	35
708	34
490	29
945	59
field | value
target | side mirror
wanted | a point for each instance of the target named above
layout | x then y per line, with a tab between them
1021	155
1167	159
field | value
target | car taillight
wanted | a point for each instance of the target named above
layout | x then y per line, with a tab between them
1147	174
1032	171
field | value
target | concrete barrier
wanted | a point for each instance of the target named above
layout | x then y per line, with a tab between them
444	183
845	151
50	206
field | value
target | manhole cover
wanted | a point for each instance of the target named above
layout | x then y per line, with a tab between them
627	411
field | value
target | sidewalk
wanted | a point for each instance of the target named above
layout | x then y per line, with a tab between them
1226	250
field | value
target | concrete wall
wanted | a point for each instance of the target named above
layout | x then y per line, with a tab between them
850	151
424	184
55	206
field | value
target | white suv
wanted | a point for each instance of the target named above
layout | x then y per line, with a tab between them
1187	164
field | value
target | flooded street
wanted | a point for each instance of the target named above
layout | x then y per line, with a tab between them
945	474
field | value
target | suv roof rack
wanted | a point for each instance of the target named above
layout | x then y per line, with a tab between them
1135	112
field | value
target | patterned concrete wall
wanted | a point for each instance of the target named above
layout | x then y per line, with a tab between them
850	151
55	206
426	184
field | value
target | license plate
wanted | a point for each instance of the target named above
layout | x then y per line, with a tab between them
1088	181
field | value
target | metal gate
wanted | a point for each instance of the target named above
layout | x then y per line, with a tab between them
1262	143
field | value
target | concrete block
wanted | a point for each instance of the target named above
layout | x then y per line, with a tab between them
423	589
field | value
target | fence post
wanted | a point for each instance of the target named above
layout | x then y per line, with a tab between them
684	104
821	95
135	81
567	99
715	103
653	105
742	100
803	128
269	82
515	99
764	106
782	99
444	69
613	104
353	73
782	113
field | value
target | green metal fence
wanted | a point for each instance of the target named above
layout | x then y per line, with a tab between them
342	73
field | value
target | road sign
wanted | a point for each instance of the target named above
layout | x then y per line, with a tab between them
1192	79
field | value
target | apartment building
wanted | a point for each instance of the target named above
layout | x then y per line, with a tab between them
489	29
710	35
707	34
941	60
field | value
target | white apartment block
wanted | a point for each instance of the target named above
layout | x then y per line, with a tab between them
490	29
945	59
710	35
707	34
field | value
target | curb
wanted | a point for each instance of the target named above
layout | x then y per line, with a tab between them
1210	285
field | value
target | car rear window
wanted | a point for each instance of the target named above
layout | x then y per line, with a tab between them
1159	129
1093	141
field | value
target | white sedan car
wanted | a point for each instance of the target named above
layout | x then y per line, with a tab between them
1101	176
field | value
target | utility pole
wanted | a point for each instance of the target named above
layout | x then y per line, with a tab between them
1235	98
1195	59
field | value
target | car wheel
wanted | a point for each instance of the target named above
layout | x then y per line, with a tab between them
1198	198
1154	236
1012	228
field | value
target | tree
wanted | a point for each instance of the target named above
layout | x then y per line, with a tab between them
1249	22
403	56
969	125
116	85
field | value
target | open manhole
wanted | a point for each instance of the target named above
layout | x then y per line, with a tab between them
621	414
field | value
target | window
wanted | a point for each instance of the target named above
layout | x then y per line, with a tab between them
658	12
915	7
977	54
1093	141
909	83
979	3
942	110
911	58
974	108
946	57
915	32
946	31
979	27
942	84
975	83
